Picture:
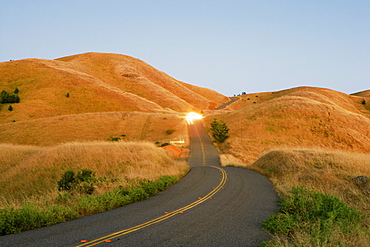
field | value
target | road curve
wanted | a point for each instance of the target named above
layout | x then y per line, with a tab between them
210	206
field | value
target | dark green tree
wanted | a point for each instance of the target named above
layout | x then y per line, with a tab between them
10	108
16	90
219	130
5	97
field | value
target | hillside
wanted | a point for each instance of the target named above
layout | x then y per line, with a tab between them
100	126
96	82
365	93
298	117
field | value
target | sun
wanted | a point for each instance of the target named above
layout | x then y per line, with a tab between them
193	116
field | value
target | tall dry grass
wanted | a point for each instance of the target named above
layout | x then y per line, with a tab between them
326	171
31	173
308	117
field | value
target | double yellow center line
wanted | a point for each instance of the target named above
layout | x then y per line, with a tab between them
165	216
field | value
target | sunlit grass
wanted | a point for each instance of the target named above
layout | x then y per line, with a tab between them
31	173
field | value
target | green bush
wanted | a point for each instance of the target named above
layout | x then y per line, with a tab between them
314	213
68	181
30	216
83	182
114	139
137	195
152	187
169	131
219	130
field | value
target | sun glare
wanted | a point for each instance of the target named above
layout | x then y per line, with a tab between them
193	116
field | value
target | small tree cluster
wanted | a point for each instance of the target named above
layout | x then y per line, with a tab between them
219	130
82	182
6	97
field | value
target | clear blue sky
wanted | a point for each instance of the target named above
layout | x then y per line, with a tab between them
230	46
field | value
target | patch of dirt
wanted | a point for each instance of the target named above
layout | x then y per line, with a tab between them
177	151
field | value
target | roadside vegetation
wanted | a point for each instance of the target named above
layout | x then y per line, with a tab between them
314	146
310	218
219	130
40	186
324	197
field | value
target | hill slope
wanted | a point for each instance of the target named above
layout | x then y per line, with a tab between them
97	82
365	93
298	117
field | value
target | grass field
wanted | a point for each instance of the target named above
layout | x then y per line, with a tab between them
104	126
96	82
30	173
300	117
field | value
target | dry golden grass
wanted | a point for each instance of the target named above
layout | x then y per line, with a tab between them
327	171
29	172
303	117
315	137
365	93
137	77
96	126
43	90
96	82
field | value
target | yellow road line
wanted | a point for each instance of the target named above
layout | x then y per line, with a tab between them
164	217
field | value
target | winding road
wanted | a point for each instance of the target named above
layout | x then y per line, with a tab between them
210	206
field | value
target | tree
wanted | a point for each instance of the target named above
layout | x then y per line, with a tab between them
16	90
219	130
5	97
10	108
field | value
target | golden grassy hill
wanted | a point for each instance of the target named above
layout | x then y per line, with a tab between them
137	77
100	126
109	96
96	82
365	93
298	117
